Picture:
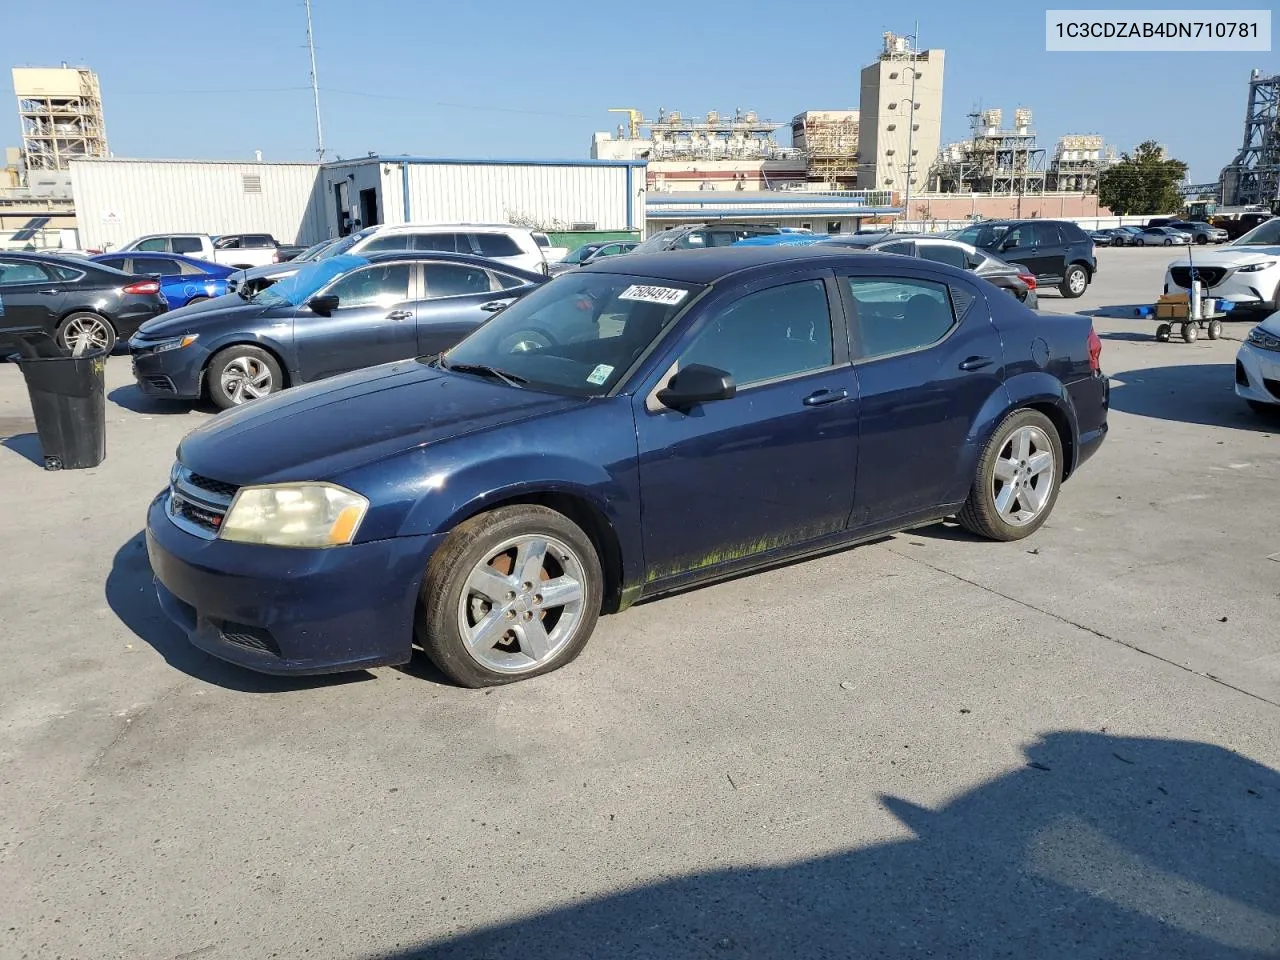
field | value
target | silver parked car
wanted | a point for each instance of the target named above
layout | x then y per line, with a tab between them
1160	237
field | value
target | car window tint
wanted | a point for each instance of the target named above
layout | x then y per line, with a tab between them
257	240
902	247
389	241
186	245
494	245
383	284
154	244
506	281
190	269
227	243
779	332
895	315
454	280
695	240
21	271
943	253
161	265
442	242
115	263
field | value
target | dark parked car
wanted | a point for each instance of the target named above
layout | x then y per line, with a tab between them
699	236
252	279
84	305
628	430
1058	252
330	317
183	280
1100	238
1123	236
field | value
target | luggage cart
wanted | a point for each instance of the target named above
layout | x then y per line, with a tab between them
1175	310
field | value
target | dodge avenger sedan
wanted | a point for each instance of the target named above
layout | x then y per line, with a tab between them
635	427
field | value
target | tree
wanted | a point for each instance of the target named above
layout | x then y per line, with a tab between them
1143	182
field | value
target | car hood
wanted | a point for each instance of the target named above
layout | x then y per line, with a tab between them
1272	324
276	270
1229	257
200	317
319	431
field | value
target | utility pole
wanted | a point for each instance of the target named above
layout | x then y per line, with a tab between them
315	85
911	118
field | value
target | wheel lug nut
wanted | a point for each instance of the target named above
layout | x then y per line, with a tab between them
511	595
528	614
510	614
537	598
527	586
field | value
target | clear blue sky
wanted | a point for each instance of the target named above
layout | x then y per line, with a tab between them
510	78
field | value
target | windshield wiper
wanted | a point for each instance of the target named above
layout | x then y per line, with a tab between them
484	370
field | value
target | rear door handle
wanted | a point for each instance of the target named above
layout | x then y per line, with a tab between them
976	363
821	397
399	315
493	306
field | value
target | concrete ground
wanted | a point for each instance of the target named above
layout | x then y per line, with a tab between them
932	746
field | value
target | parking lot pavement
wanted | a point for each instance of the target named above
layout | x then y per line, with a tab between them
1064	747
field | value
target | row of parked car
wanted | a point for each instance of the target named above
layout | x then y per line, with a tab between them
1161	232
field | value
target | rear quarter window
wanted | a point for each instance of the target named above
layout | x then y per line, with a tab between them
495	245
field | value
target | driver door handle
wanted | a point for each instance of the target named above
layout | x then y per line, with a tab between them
976	363
399	315
493	306
821	397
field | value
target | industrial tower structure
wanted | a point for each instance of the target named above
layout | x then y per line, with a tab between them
1253	177
829	139
900	116
60	111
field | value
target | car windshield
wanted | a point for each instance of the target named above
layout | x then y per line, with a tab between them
578	335
577	256
1265	234
312	252
294	290
656	243
342	246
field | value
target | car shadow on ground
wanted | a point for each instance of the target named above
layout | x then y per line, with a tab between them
1195	393
1098	846
130	592
133	399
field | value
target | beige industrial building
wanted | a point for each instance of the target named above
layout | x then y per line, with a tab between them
900	122
60	112
829	141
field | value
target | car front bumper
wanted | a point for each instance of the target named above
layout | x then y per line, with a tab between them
175	374
289	611
1258	374
1252	289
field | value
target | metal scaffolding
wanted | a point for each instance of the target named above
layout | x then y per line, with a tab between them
1253	177
829	140
60	111
995	160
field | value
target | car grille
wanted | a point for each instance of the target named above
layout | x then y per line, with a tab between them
1209	276
198	504
161	383
250	637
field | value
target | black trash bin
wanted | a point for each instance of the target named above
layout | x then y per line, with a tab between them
67	397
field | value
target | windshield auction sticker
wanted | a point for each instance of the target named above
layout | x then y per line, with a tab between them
667	295
600	374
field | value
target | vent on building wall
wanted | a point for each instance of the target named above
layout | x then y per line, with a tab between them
582	226
252	183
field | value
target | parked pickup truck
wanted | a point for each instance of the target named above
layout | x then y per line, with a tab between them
239	250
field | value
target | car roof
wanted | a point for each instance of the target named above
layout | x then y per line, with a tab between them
61	260
715	263
441	256
391	227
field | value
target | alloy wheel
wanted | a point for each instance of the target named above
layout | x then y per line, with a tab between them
1077	282
246	378
521	603
1024	476
86	334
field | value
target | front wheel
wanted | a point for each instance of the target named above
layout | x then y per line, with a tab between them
1190	332
1016	482
242	373
512	593
1215	329
1139	242
1168	241
87	333
1075	282
1201	240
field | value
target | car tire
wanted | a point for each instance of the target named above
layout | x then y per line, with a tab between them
1139	242
481	557
1075	282
1264	409
240	374
1201	239
85	326
1001	514
1168	241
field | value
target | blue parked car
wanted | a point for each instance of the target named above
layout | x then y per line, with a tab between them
329	317
183	280
627	430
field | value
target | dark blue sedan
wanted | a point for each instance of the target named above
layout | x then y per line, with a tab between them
183	280
627	430
329	317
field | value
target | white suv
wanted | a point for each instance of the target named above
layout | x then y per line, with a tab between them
502	242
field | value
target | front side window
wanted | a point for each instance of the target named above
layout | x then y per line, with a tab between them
454	280
154	245
21	271
186	245
779	332
899	315
383	285
943	253
577	335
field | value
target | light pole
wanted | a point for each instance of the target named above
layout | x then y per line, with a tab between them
911	119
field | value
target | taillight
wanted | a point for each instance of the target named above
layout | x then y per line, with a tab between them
1029	279
1095	351
143	286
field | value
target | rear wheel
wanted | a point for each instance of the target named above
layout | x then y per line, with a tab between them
1016	482
1075	282
1201	239
87	333
242	373
1190	332
1164	332
1215	329
1139	242
512	593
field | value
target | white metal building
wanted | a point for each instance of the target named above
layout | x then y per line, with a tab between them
117	200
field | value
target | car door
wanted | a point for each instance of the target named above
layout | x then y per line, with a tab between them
769	468
457	298
927	358
29	296
1021	244
373	323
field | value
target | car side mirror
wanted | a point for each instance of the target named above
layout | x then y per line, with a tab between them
696	383
324	305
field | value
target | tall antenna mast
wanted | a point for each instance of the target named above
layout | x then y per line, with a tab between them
315	85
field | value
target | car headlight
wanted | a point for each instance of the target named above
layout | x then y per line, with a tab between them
1256	267
176	343
294	515
1263	340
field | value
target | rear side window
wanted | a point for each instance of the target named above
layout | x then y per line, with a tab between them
454	280
115	263
442	242
779	332
899	315
542	240
943	253
495	245
901	247
20	271
257	241
161	265
187	245
506	281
